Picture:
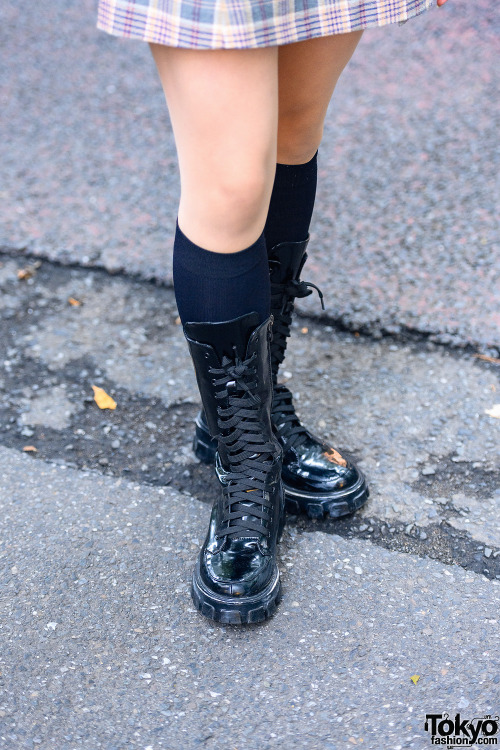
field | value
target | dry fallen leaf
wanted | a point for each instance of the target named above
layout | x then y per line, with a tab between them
415	678
30	449
28	271
102	399
335	457
495	412
485	357
74	302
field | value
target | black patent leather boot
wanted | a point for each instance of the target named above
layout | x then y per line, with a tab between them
316	478
236	578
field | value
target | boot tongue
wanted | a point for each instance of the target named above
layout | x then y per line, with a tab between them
226	335
286	261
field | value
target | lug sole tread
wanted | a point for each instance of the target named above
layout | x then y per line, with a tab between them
232	614
333	507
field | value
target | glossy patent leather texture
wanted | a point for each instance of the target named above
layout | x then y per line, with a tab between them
316	478
236	579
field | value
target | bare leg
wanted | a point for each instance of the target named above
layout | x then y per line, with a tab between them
308	73
223	106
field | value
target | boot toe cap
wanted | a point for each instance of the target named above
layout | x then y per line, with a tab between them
239	570
316	467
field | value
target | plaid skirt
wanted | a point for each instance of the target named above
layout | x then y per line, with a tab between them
237	24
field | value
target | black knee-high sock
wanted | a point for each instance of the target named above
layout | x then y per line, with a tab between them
292	202
214	287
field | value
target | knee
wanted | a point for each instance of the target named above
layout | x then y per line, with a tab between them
237	197
299	135
242	197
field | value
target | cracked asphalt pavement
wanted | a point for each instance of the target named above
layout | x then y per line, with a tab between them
387	615
406	218
101	525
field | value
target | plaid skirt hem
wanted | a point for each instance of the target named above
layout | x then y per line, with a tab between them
243	24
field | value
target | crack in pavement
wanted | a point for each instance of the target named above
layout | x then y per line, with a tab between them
401	333
124	338
135	442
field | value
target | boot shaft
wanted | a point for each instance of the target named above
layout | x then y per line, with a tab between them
286	261
234	343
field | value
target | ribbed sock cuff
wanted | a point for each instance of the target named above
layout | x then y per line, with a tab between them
197	260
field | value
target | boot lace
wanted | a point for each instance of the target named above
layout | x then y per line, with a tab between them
285	420
282	304
246	504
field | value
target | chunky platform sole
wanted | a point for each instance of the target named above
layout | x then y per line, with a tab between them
235	610
336	505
